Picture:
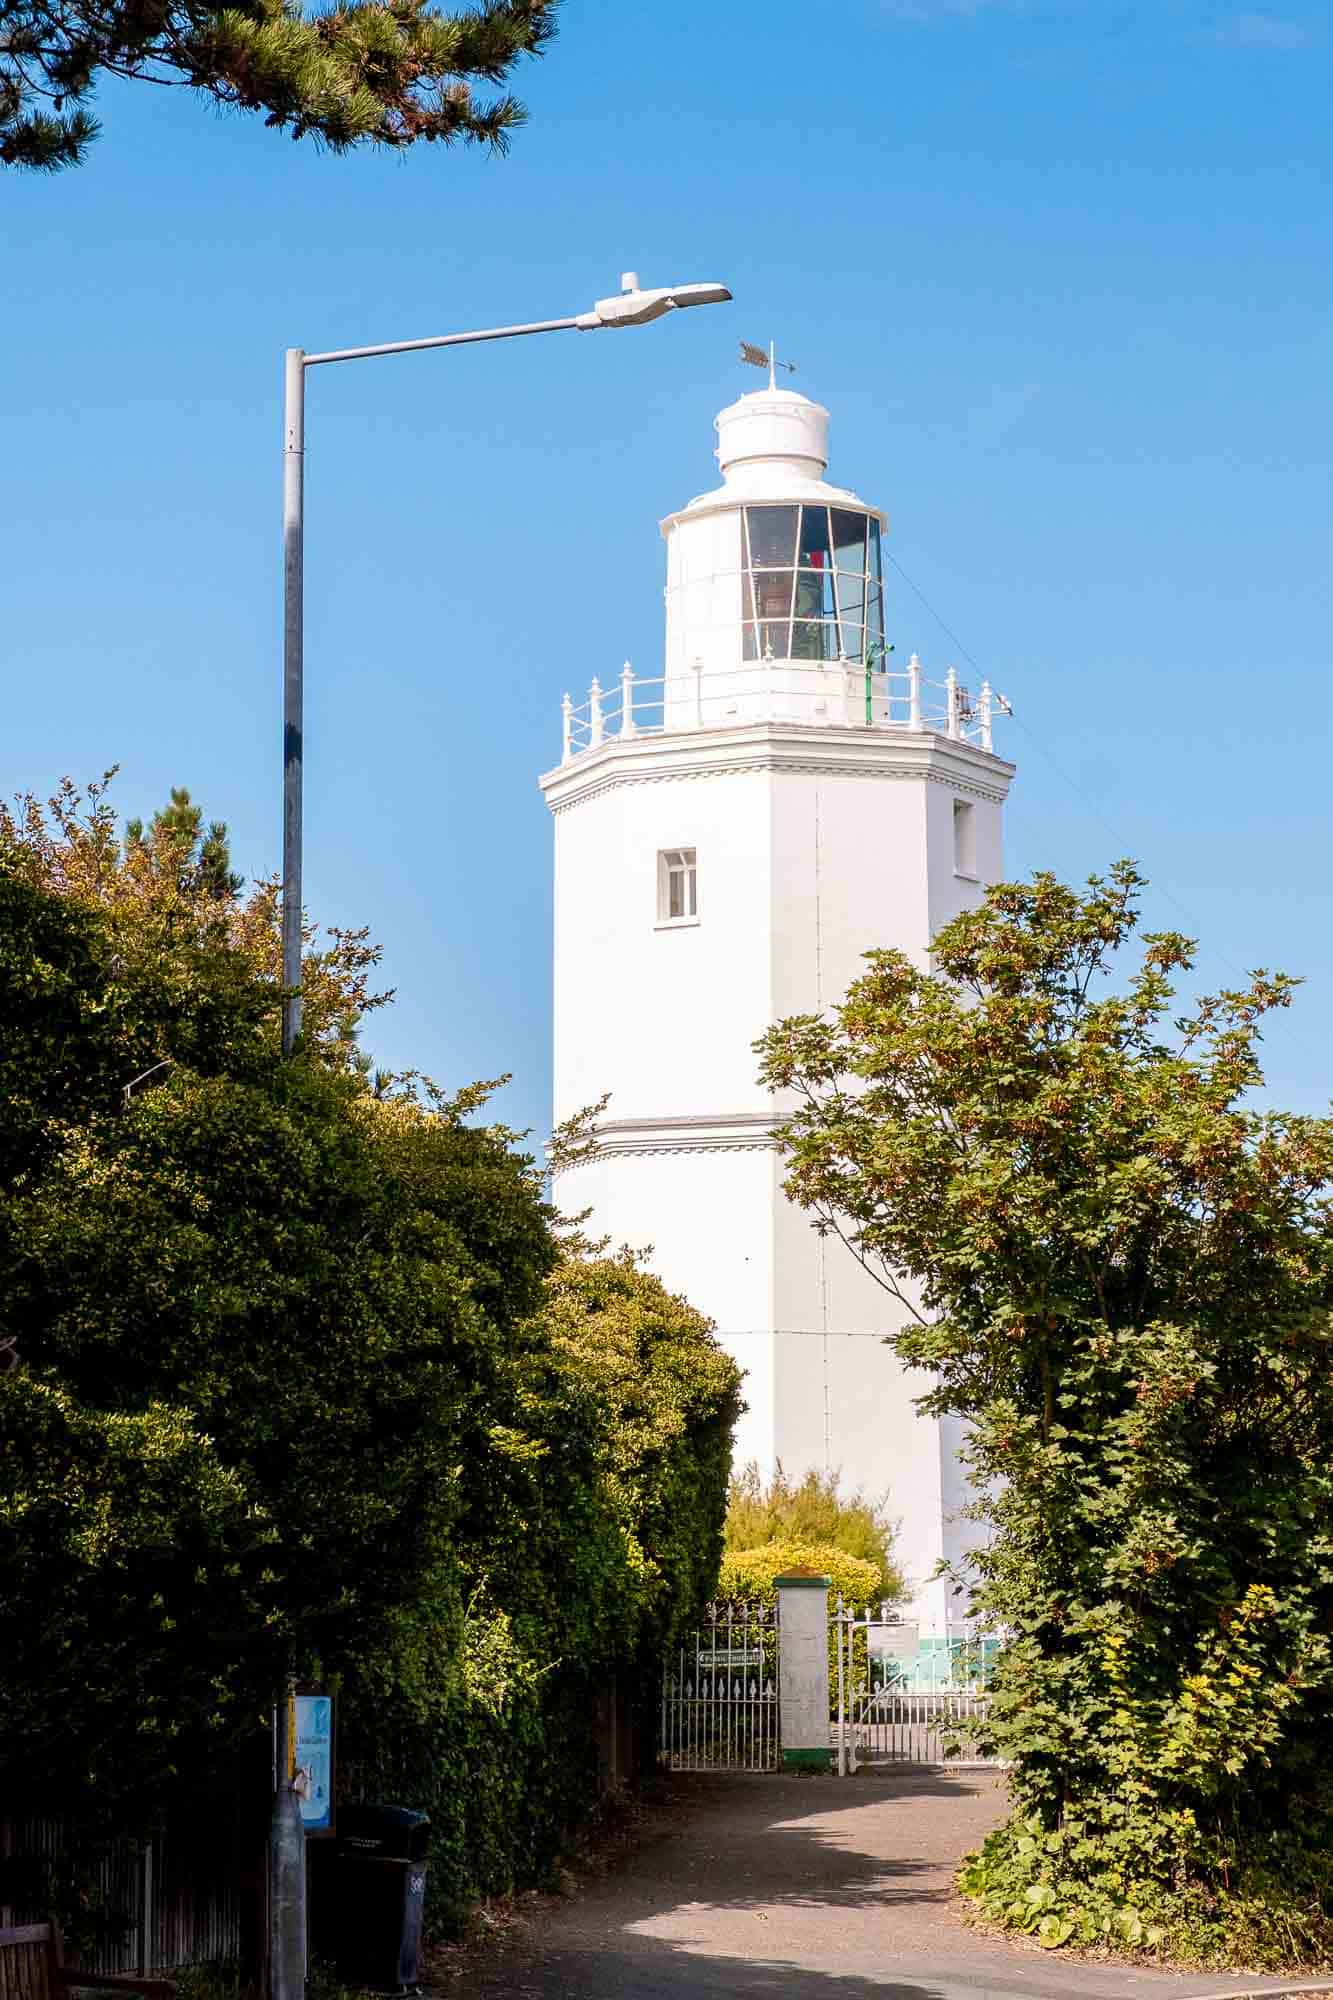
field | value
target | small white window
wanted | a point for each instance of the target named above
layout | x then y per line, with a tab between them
964	839
677	886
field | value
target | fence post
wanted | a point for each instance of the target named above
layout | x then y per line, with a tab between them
597	728
914	693
842	1695
627	726
567	730
147	1915
803	1670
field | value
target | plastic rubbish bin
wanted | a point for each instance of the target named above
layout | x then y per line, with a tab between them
380	1884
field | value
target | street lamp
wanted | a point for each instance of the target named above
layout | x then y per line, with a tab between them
630	307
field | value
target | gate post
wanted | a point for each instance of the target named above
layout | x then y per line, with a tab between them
803	1670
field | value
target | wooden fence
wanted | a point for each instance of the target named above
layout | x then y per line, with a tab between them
130	1906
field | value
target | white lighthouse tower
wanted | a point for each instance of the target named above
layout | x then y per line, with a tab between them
730	838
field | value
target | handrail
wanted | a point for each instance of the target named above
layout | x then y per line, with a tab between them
828	693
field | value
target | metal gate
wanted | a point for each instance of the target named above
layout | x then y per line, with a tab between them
880	1718
720	1693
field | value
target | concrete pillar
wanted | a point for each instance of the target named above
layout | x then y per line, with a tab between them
803	1671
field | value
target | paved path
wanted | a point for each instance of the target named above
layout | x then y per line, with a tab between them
802	1889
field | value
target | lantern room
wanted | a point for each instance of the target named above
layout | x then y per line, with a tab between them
776	566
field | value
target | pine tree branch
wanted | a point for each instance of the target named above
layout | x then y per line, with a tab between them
367	72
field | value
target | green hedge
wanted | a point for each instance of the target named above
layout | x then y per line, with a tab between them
301	1376
750	1573
593	1501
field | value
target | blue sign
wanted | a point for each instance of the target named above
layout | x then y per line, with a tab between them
312	1745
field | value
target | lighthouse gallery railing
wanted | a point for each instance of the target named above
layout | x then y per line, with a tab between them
840	693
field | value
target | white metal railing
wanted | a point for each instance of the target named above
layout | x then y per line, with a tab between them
720	1693
891	1709
835	692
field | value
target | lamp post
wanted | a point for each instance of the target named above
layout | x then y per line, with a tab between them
631	307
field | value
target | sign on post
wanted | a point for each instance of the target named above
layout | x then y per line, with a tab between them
311	1739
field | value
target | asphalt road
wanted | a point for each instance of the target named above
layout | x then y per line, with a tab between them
807	1888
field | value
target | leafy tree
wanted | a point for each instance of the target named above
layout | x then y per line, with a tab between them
383	72
296	1372
191	971
255	1311
668	1398
592	1494
1119	1273
812	1510
197	861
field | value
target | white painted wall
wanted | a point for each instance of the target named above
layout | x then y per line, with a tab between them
816	842
813	847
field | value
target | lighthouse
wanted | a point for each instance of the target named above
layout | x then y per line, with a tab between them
731	835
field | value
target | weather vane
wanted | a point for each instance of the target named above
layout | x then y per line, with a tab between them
758	359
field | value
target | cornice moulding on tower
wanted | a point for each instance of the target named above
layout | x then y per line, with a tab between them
702	1132
818	749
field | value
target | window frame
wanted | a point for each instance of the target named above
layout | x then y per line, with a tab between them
851	601
965	840
682	862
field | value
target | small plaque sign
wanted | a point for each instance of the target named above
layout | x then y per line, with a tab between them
311	1738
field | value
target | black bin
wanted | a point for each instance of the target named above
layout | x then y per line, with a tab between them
380	1885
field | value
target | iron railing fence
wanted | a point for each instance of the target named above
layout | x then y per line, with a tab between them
844	693
720	1693
882	1713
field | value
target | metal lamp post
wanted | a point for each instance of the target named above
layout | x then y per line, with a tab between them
632	307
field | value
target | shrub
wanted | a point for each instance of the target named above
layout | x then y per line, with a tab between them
592	1497
811	1510
751	1574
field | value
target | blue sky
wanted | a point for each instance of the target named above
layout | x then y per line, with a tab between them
1061	272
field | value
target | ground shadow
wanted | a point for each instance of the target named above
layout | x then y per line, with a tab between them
815	1889
665	1973
795	1843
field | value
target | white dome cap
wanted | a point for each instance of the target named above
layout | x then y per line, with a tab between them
773	449
772	427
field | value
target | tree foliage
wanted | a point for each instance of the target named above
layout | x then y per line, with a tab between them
750	1575
812	1510
381	72
1118	1272
589	1533
235	1291
667	1399
298	1373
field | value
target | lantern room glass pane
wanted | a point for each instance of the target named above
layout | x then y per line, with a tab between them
808	640
815	539
849	540
772	536
749	638
853	643
814	594
875	570
772	589
851	599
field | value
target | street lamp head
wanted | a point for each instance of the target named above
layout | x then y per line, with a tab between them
634	307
